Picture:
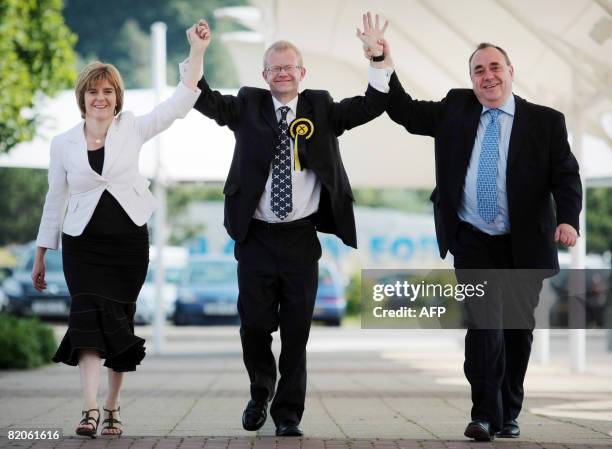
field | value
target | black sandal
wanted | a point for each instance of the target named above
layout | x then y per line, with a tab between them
86	421
111	420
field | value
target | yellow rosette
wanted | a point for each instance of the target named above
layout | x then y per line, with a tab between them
300	127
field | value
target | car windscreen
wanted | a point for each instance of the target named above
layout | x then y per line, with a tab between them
213	273
173	275
53	261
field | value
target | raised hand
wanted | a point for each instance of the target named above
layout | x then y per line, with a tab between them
388	63
372	33
191	70
203	29
199	36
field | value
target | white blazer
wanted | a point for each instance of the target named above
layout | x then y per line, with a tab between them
74	185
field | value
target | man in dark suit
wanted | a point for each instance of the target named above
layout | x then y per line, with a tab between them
500	163
286	182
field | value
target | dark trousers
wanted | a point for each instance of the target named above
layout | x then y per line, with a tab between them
277	279
500	326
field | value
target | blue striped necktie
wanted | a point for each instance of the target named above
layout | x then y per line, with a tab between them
486	181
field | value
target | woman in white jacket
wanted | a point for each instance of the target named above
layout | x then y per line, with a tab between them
98	203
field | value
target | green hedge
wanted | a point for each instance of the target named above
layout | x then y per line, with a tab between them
353	295
25	343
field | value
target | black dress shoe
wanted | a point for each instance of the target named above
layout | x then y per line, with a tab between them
254	415
479	430
511	429
288	430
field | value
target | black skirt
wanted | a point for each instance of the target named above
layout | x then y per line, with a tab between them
105	272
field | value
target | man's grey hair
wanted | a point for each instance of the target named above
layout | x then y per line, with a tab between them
280	46
484	45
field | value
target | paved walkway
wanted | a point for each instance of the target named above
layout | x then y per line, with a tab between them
367	389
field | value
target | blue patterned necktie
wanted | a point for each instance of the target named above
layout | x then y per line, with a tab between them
281	202
486	181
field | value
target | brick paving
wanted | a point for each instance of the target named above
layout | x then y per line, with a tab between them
392	397
276	443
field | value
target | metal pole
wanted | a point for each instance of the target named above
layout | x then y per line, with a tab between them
158	47
542	345
577	337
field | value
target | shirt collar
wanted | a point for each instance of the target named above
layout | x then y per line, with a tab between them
291	104
508	106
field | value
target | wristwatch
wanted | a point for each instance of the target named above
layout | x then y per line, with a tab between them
379	58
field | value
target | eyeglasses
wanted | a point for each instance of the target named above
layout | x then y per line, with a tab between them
279	68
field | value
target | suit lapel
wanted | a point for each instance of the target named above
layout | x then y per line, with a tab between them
268	113
471	119
520	126
304	110
76	137
112	147
461	159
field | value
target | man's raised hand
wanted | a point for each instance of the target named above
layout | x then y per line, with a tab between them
371	35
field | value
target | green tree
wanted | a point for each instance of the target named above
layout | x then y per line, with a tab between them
135	54
353	295
103	34
36	57
405	200
23	195
178	199
599	220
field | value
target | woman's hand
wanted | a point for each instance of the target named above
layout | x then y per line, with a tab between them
388	62
38	270
199	36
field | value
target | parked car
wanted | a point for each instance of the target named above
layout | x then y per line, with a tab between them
597	279
24	300
330	305
209	291
145	306
175	260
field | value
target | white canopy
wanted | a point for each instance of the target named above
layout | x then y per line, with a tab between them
561	51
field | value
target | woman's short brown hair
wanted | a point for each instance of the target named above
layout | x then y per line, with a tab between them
91	75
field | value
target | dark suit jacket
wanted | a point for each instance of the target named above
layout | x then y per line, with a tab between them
251	116
540	168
